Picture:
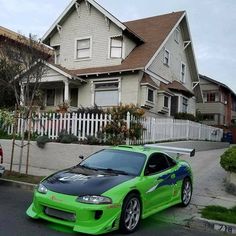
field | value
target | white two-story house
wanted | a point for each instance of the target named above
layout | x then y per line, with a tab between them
100	60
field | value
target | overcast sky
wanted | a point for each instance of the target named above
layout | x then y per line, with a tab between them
212	25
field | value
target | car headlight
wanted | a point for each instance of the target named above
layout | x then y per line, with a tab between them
42	189
89	199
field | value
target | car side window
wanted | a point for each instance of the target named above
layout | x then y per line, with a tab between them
171	161
157	162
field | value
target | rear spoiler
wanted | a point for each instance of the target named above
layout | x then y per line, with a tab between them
175	150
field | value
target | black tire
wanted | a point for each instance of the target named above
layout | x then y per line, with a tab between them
131	214
186	192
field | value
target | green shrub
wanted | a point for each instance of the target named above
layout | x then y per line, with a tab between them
116	132
64	137
41	141
228	160
184	116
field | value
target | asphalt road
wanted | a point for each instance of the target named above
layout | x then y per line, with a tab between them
14	222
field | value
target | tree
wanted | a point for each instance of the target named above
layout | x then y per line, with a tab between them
22	66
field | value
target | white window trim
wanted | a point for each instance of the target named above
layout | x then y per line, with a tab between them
110	80
185	70
91	48
109	47
166	50
177	40
183	97
149	88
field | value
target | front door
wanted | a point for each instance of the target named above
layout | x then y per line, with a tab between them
74	97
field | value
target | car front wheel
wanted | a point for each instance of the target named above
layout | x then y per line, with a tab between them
131	213
186	192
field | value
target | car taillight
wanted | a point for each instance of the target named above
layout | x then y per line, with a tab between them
1	155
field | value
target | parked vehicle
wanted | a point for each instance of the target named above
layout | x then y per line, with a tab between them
114	188
2	169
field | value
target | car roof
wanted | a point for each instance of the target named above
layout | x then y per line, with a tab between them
140	149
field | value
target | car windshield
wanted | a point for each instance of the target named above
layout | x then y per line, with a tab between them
117	161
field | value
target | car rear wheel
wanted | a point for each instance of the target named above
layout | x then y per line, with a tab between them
131	214
186	192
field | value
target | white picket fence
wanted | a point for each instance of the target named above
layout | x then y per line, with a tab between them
84	125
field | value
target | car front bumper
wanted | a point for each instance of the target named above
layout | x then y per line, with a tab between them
83	218
2	170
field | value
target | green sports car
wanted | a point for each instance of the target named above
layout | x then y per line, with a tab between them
114	189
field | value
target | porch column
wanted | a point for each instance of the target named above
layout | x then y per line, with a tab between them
66	92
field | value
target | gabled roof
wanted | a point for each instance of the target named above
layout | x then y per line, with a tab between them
217	83
72	6
63	71
176	86
153	31
22	40
147	80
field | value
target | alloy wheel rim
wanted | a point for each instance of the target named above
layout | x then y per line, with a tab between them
132	214
187	191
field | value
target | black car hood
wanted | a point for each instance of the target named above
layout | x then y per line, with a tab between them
79	181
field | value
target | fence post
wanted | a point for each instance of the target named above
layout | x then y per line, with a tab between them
128	126
187	130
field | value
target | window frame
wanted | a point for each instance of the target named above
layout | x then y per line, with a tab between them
168	101
164	57
185	104
160	171
113	80
121	48
183	73
177	35
76	49
153	95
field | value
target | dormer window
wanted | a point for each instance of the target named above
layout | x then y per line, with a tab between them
116	47
83	48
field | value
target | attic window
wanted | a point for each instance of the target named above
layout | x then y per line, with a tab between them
177	35
116	45
166	57
183	72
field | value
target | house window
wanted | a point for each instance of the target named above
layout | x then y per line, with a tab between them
83	48
50	96
177	35
106	93
166	57
211	97
208	117
166	101
185	105
116	47
183	72
150	95
57	55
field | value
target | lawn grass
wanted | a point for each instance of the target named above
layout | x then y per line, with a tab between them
220	213
22	177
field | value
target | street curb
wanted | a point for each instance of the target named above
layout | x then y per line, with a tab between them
18	184
212	225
